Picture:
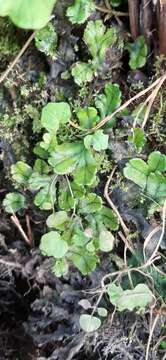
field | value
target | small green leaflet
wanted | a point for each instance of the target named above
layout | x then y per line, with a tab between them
46	40
137	138
98	39
79	239
21	172
14	202
139	297
38	181
157	162
48	144
106	240
79	12
27	14
87	117
138	53
41	167
82	73
52	245
60	268
148	175
57	220
39	151
102	311
54	114
83	260
108	102
98	140
45	198
75	158
69	197
107	217
91	203
89	323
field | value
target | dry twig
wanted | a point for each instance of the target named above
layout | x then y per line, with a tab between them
14	62
110	202
150	336
16	222
156	84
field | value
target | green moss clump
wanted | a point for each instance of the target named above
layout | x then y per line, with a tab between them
8	40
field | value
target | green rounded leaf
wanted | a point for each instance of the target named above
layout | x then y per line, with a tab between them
137	138
89	323
157	161
65	157
21	172
57	220
87	117
14	202
38	181
82	73
52	245
106	240
115	3
102	311
107	217
27	14
60	268
98	40
91	203
45	198
84	261
54	114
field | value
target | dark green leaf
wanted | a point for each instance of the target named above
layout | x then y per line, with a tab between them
138	53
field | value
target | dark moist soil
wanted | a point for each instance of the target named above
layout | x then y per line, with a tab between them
39	313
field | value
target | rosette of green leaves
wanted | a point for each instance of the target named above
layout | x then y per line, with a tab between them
98	40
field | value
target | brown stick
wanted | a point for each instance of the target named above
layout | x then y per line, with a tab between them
162	27
134	17
28	224
110	11
16	222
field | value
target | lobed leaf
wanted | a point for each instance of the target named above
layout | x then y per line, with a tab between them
139	297
79	12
